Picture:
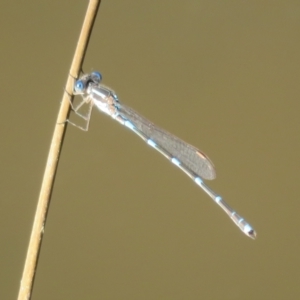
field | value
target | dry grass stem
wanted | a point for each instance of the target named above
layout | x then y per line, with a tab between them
53	157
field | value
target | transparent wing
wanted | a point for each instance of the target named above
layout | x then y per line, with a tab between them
193	158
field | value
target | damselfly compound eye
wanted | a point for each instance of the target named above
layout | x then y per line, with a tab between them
96	76
79	86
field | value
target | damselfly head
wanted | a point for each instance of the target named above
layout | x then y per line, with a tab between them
82	84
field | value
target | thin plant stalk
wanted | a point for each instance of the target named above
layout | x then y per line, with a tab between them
36	237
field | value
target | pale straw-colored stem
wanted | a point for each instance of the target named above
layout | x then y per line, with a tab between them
53	157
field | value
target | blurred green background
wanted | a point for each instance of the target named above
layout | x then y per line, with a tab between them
123	222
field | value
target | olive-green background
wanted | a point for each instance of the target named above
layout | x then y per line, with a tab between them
123	222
